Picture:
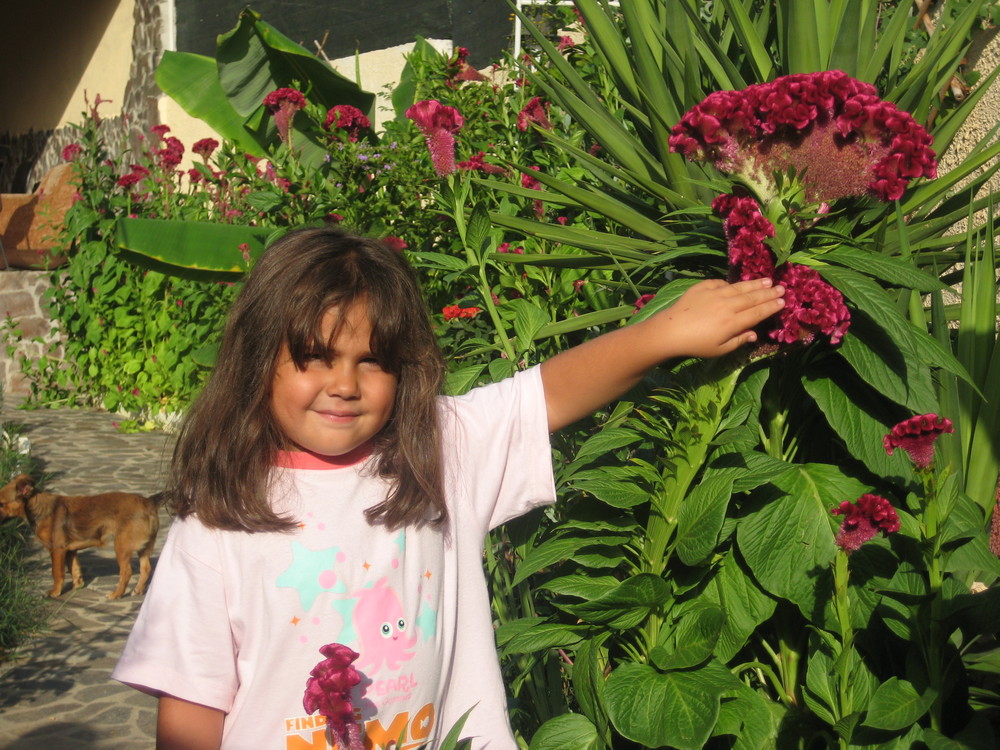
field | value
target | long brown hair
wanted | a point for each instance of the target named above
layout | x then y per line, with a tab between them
225	452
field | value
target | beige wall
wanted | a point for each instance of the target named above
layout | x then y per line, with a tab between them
58	49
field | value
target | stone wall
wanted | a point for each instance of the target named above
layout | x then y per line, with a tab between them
21	300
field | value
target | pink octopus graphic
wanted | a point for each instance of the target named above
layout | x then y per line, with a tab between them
381	629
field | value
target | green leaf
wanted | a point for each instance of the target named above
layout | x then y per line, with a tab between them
625	606
566	732
462	380
193	249
860	421
616	493
788	540
528	321
696	634
896	705
532	634
745	605
885	267
701	517
193	82
676	709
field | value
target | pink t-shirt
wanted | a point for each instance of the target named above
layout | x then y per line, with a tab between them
235	620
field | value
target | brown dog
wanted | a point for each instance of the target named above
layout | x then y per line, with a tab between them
65	524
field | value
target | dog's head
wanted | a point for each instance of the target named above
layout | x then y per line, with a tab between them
14	495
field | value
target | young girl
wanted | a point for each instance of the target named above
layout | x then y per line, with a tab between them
326	493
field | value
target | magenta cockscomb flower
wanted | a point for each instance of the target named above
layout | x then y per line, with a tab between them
535	112
839	137
747	231
328	691
283	103
350	119
811	306
71	151
863	520
459	68
137	174
439	124
205	147
916	436
478	163
171	153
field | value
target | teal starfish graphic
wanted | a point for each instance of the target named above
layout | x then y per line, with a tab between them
427	621
311	574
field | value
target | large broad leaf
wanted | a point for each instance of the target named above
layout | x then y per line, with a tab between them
745	605
627	605
656	709
255	58
193	82
860	420
896	705
566	732
702	515
192	249
788	541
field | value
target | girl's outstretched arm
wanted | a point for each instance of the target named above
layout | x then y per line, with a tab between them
182	725
710	319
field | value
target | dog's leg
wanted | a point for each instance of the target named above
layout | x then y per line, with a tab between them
73	567
124	557
58	566
145	566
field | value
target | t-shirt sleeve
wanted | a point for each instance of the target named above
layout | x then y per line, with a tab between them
503	447
182	644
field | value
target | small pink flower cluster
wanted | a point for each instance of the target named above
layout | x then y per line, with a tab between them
851	141
328	691
916	436
205	147
746	230
439	124
283	103
136	175
535	112
349	119
71	151
811	305
863	520
459	68
478	163
451	312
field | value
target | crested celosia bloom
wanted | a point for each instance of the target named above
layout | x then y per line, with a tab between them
205	147
328	691
71	151
459	68
811	304
916	436
349	119
283	104
535	112
136	175
848	141
171	154
746	231
439	124
478	163
863	520
532	183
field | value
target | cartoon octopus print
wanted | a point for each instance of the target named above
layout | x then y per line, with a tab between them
382	629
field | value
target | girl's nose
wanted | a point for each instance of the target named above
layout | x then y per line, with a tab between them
343	381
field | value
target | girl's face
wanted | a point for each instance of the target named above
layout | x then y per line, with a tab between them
333	409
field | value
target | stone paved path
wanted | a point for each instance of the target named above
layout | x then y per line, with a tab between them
55	693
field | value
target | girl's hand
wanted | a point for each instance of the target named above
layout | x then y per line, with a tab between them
710	319
714	317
